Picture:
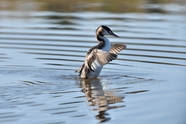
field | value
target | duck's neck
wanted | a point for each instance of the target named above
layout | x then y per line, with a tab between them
105	43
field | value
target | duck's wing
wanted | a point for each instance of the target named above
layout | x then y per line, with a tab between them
98	57
116	48
88	55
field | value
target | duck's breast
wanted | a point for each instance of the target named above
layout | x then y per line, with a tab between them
97	67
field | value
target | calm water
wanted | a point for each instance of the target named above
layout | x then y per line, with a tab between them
43	43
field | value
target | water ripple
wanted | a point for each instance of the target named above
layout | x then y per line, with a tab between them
39	51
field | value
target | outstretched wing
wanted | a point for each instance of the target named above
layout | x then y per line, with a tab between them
98	57
116	48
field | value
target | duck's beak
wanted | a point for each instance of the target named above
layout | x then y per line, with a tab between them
111	33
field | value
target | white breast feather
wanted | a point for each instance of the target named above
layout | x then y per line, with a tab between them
95	64
107	45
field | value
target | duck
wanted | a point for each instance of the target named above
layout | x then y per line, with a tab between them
100	55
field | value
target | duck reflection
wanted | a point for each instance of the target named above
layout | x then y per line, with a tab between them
100	98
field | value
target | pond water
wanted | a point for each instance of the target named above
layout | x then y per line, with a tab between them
42	43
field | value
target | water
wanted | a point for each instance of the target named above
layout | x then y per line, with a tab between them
43	43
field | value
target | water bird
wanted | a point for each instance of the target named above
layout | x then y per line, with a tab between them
100	55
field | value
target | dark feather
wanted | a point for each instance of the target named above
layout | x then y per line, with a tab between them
101	56
116	48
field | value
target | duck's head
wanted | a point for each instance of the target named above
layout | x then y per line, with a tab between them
104	30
